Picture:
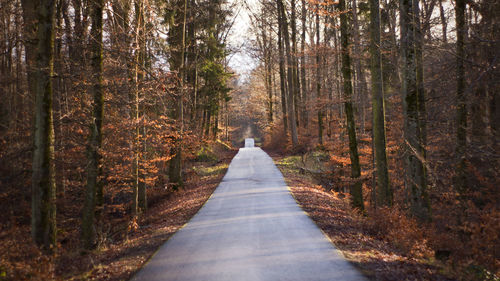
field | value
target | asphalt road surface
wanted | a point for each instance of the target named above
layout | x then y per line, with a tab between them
250	229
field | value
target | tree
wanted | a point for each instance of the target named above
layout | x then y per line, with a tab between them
318	80
43	205
414	158
356	188
176	39
460	179
295	64
292	89
283	86
94	189
384	192
303	82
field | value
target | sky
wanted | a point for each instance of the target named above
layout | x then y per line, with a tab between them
240	61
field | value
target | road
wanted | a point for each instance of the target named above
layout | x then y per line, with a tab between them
251	228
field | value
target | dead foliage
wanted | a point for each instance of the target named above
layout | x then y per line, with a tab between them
124	244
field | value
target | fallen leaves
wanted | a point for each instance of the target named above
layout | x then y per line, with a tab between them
351	233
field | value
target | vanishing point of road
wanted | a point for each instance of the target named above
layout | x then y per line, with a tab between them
251	228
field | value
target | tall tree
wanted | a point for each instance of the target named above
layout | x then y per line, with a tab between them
43	198
384	192
422	111
141	65
295	62
303	82
176	39
318	80
356	188
415	173
292	89
94	190
461	148
360	87
282	71
139	201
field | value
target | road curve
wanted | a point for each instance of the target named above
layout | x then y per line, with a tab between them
251	228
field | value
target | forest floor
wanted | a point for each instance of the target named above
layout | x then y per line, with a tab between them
374	255
160	222
124	246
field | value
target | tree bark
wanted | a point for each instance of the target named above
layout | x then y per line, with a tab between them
177	37
384	192
460	180
415	186
303	82
422	112
295	63
93	193
291	85
356	188
266	48
43	200
318	81
444	23
283	86
360	88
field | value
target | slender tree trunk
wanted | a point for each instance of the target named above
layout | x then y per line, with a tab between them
444	22
295	63
384	192
356	188
270	86
139	200
460	180
303	82
93	193
267	73
360	88
422	112
318	81
43	200
141	64
282	76
291	87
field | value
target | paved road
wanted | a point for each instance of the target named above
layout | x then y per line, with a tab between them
250	229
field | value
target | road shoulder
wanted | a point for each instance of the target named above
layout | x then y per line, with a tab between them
349	231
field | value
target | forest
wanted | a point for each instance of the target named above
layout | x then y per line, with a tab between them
118	119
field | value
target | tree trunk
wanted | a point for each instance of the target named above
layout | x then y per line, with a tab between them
460	180
291	87
384	192
422	112
267	73
356	188
360	81
43	200
416	189
177	38
282	76
93	193
444	23
303	82
318	82
295	63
